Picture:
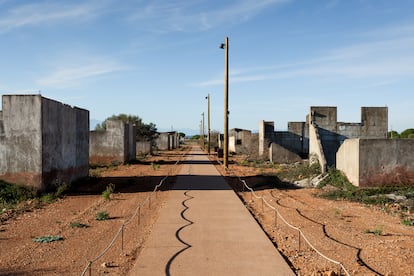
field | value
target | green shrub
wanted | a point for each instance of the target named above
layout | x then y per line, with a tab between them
12	194
47	239
376	231
102	216
155	166
77	224
48	198
62	189
408	222
298	171
108	191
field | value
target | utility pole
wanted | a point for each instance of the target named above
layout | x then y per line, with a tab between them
208	123
202	131
225	46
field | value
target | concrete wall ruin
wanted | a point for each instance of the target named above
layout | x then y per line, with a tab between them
374	125
295	140
240	140
281	155
144	148
266	137
377	162
167	140
42	142
117	144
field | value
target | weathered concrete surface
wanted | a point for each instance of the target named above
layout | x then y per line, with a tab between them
117	144
347	160
143	147
167	140
204	229
240	141
377	162
316	153
266	136
373	125
42	142
279	155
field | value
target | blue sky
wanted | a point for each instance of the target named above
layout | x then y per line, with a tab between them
159	59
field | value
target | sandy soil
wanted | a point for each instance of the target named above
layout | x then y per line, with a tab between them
20	255
338	229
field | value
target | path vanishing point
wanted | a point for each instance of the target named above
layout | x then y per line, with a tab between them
204	229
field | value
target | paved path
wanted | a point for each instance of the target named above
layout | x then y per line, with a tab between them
204	229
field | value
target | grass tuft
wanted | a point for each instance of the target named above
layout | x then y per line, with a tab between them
102	216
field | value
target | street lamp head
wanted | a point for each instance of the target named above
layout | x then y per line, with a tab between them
223	46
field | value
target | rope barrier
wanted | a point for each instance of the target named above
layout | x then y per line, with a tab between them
122	228
301	234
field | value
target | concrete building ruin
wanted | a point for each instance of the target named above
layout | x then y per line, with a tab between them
115	145
326	134
376	162
42	142
283	146
167	140
242	141
320	136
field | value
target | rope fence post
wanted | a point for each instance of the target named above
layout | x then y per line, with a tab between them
139	217
122	238
262	205
342	269
90	268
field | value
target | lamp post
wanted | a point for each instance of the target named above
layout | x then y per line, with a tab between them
225	46
208	123
202	132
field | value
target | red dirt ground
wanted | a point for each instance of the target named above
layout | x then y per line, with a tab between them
20	255
335	228
338	229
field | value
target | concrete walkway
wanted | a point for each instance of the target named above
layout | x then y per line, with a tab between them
204	229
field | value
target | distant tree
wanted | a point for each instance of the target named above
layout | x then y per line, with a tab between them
408	133
100	127
393	134
195	137
181	134
145	132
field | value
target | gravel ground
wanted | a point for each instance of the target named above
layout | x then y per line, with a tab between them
367	240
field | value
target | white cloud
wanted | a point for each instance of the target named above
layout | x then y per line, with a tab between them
70	76
379	56
160	16
44	12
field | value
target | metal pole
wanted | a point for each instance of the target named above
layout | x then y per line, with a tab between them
226	105
208	105
204	144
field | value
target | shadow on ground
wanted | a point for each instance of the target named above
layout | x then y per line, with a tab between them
96	185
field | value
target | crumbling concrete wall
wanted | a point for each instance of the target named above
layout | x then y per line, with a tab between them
374	124
280	155
316	153
144	148
167	140
114	145
266	137
295	140
240	141
65	142
163	141
42	142
377	162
